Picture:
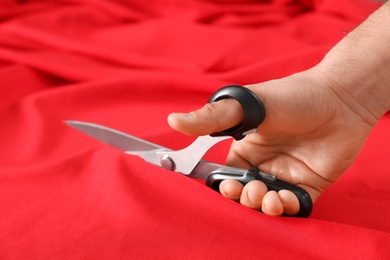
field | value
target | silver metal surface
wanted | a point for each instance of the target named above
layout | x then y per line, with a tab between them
113	137
187	158
167	163
186	161
205	168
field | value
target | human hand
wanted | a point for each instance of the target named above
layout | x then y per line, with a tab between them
309	138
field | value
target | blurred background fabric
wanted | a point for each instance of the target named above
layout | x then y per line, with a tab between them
127	65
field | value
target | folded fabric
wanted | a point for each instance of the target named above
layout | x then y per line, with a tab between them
127	65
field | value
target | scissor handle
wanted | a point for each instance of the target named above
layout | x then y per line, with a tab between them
272	183
254	110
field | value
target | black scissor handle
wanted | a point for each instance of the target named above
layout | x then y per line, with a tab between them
254	110
272	183
254	115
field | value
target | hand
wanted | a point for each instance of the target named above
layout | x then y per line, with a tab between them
309	138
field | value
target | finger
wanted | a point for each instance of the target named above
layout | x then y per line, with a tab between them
289	201
271	204
231	189
252	194
213	117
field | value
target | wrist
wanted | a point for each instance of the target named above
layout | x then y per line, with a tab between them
358	67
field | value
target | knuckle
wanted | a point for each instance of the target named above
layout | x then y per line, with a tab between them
213	111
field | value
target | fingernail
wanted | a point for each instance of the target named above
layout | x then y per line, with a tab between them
183	116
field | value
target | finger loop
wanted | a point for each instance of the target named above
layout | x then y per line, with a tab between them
254	110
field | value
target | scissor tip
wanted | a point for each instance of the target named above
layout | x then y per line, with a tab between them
72	123
67	122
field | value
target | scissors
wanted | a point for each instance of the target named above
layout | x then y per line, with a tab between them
188	161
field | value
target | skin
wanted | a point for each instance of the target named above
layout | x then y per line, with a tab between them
316	123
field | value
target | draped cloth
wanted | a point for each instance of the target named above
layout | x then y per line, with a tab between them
127	65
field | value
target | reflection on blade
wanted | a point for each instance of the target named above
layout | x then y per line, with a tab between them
205	168
148	151
187	158
113	137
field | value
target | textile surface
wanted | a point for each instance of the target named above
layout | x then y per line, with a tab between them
127	65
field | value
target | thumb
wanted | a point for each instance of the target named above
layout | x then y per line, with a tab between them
212	117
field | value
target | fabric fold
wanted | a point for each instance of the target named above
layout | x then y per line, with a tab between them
127	65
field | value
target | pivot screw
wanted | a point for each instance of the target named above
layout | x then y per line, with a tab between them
167	163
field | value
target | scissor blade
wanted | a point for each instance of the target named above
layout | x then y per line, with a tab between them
204	168
144	149
113	137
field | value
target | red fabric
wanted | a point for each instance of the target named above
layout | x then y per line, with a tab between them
127	65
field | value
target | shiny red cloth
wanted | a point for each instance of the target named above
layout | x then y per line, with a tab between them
127	65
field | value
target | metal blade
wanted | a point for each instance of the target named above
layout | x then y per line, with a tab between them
114	138
187	158
150	152
205	168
